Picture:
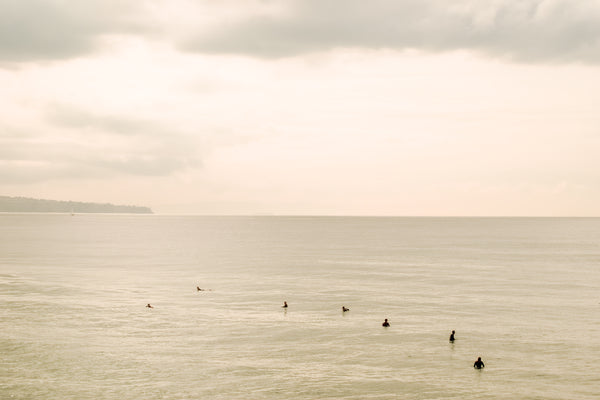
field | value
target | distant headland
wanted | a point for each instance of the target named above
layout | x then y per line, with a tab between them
25	204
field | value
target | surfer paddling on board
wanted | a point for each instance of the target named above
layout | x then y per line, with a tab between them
149	306
478	364
385	323
344	309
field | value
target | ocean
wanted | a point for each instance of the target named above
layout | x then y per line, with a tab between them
521	293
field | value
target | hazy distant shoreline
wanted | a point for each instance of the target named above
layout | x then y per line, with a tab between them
30	205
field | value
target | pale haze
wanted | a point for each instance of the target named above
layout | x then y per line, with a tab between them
328	107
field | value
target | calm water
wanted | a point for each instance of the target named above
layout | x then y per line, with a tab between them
522	293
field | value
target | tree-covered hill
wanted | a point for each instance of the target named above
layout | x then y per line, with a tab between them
25	204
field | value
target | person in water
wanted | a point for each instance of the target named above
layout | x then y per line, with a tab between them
284	304
478	364
385	323
149	306
344	309
452	337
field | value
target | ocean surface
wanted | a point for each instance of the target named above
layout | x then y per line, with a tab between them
522	293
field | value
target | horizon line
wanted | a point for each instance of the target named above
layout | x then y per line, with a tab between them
297	215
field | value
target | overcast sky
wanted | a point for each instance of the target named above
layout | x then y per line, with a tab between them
337	107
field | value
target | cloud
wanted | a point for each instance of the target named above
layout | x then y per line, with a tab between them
527	30
34	30
80	145
81	120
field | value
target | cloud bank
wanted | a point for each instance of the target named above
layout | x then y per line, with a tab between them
37	30
81	145
529	30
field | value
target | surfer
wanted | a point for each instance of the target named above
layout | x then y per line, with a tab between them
344	309
284	304
478	364
385	323
198	288
149	306
452	337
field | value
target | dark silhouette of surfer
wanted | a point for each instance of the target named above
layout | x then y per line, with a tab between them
149	306
284	304
385	323
344	309
452	337
478	364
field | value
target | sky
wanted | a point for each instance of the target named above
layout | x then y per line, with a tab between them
304	107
